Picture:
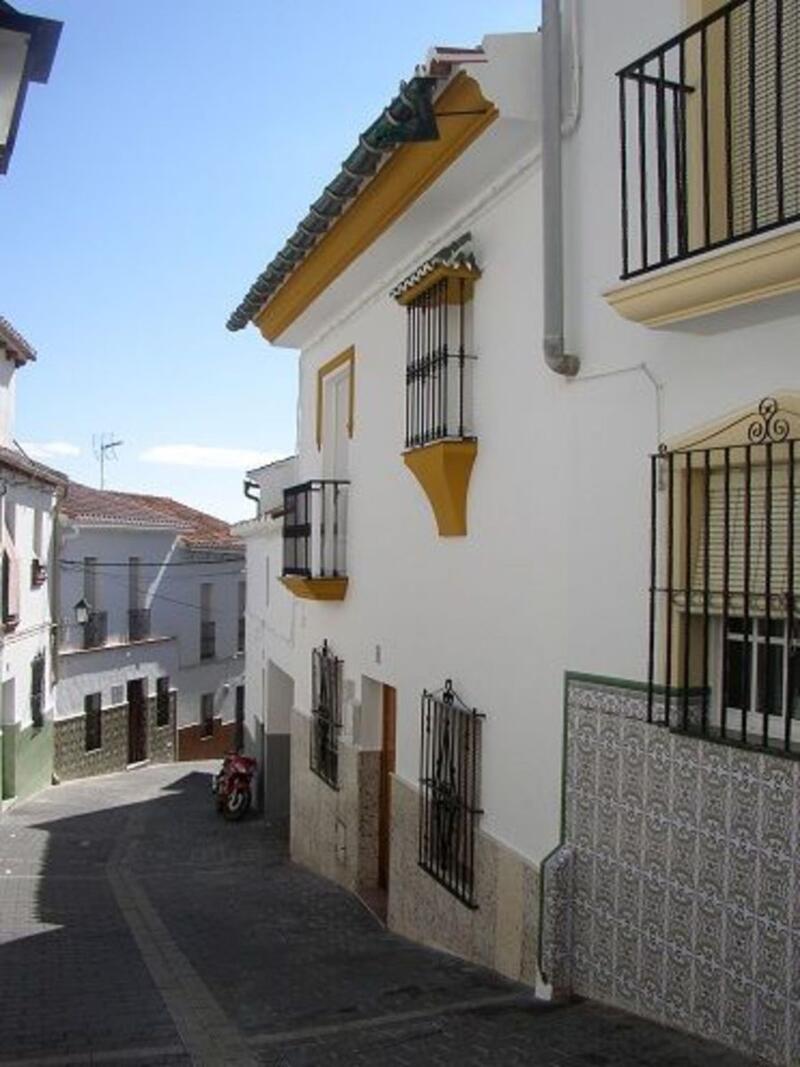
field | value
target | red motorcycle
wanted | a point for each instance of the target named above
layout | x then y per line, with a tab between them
231	785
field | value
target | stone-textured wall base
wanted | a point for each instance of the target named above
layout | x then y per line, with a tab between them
335	832
72	761
192	745
502	933
685	885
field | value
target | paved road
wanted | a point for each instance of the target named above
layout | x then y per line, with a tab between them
137	927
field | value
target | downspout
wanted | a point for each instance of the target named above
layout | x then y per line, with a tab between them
556	358
248	486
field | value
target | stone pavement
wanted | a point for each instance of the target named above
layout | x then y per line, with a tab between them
138	927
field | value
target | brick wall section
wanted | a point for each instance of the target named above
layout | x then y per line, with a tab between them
71	760
685	886
192	745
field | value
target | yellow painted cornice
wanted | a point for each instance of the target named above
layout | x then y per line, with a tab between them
315	588
443	469
464	113
732	276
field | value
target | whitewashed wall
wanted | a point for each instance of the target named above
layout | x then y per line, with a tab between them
172	592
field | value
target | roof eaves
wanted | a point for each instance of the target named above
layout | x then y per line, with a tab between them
409	117
14	344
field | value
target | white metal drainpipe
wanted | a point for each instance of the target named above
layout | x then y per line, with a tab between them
552	210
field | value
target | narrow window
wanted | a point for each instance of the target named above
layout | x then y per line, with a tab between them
37	690
38	539
207	715
241	627
208	637
90	581
162	701
326	714
93	721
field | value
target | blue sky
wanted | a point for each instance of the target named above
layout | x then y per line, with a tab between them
175	147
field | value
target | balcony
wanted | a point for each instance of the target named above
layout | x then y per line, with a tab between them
138	624
208	639
710	166
95	630
315	540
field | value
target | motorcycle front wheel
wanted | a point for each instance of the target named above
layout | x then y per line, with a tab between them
236	804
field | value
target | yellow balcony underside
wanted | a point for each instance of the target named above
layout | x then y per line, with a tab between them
315	588
740	274
443	469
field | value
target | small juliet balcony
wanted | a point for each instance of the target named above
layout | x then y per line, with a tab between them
95	630
138	624
315	539
710	166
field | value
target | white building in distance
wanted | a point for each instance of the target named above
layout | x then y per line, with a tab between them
151	630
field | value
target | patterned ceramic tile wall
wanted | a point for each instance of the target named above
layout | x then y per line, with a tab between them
685	876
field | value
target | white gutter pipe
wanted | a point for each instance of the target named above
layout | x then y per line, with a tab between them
556	358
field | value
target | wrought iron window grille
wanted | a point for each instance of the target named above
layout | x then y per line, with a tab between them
37	690
724	629
449	780
315	529
438	375
710	135
138	624
208	639
95	630
326	714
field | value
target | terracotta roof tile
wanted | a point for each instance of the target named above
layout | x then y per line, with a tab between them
109	507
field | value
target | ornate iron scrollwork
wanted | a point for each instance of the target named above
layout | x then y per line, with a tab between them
768	426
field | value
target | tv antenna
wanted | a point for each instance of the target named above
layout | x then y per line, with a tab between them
105	448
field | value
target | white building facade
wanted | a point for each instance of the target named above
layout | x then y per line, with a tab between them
29	500
151	654
541	685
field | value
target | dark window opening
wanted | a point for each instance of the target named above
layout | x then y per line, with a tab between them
93	721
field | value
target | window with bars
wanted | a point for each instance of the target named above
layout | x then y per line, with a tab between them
93	723
438	302
207	715
326	714
37	690
163	701
449	791
724	636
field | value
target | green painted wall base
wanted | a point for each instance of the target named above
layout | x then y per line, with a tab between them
27	760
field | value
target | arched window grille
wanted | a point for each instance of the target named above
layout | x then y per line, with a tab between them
449	784
326	714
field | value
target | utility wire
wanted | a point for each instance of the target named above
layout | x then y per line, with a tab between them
159	596
157	563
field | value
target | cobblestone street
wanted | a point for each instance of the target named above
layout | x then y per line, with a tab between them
136	926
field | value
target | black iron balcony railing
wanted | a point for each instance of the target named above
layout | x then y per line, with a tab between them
95	630
138	624
315	529
241	634
710	135
438	368
208	639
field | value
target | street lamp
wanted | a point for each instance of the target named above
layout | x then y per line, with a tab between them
27	48
82	611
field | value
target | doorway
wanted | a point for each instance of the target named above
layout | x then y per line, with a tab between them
137	721
387	766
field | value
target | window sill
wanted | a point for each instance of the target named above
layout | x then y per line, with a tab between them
315	588
740	274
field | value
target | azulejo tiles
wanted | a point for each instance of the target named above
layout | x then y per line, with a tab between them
683	893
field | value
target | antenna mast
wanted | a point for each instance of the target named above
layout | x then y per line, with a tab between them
105	447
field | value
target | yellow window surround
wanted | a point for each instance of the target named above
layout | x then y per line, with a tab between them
346	358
